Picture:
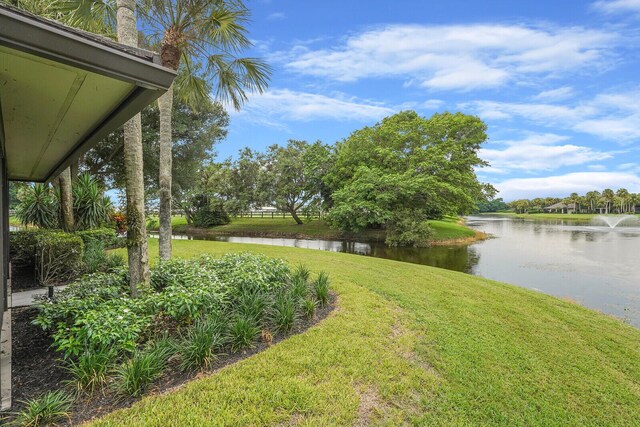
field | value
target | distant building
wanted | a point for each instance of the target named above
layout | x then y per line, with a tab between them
560	207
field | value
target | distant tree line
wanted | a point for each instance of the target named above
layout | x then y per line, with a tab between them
608	201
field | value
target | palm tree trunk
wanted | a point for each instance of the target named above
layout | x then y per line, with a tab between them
66	200
165	106
133	164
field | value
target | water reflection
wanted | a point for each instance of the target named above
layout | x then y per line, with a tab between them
458	258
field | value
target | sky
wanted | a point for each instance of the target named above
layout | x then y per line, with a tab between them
557	82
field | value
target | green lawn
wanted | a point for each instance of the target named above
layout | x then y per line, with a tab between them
410	344
445	229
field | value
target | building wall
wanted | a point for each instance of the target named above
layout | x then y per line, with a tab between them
5	312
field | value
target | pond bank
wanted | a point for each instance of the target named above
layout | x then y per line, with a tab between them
446	232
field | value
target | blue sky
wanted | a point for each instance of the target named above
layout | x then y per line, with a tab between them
557	82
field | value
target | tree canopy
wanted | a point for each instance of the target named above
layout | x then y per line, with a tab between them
407	166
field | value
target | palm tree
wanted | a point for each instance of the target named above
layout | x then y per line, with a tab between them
592	198
133	165
205	37
66	200
608	197
622	196
575	199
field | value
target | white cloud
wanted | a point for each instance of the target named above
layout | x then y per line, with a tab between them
611	116
538	152
277	105
617	6
431	104
597	168
460	57
558	94
561	185
276	16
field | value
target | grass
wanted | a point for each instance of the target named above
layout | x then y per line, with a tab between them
411	344
446	229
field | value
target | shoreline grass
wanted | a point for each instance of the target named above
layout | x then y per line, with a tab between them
411	344
447	230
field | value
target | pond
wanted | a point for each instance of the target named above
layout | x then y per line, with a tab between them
592	264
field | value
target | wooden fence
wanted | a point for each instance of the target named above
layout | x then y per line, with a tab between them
282	215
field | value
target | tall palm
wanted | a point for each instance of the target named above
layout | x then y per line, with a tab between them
133	165
608	197
205	37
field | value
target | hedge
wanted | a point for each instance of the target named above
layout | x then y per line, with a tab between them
59	257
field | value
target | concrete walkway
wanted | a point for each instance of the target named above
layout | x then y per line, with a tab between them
25	298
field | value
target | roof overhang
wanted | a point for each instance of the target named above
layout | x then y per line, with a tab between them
63	90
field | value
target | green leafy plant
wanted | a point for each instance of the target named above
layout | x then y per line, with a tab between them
199	344
37	206
95	257
252	304
91	208
283	312
242	333
308	307
301	272
299	288
89	372
45	410
59	257
135	375
22	247
106	236
321	288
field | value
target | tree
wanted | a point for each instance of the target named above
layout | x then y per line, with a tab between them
196	133
66	200
202	35
133	166
290	177
407	165
622	197
608	198
592	198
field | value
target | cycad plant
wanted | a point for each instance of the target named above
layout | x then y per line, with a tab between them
91	207
37	206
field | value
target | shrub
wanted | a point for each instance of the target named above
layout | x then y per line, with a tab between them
198	345
135	375
95	313
245	270
44	411
210	214
96	259
22	247
242	333
252	304
59	257
90	371
321	288
408	229
106	236
283	312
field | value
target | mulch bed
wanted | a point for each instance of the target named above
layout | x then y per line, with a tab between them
37	368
